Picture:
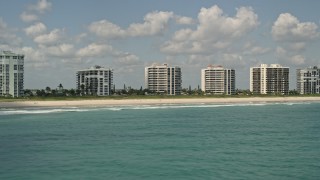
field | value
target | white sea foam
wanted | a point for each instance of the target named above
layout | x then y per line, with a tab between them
10	111
39	111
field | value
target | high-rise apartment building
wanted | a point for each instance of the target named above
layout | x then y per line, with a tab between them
163	79
95	81
11	74
273	79
218	80
308	80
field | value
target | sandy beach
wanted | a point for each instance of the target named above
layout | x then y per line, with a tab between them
122	102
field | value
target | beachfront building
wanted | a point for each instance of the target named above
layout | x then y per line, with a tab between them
96	80
218	80
308	80
11	74
163	79
273	79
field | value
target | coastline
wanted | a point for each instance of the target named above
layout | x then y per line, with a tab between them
123	102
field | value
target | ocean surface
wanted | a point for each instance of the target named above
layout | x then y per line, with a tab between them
200	141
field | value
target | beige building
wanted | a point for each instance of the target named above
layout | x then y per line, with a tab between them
11	74
273	79
218	80
163	79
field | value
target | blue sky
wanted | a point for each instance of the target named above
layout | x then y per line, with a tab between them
60	37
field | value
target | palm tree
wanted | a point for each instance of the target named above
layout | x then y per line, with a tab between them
48	89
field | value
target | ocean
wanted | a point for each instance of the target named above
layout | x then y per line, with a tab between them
196	141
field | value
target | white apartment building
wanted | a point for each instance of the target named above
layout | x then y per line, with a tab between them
163	79
308	80
269	79
11	74
95	81
218	80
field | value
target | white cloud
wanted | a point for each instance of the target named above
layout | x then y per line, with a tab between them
288	28
214	31
28	17
6	35
61	50
41	6
298	60
35	57
36	29
184	20
95	50
127	59
253	49
299	46
51	38
289	58
154	24
106	29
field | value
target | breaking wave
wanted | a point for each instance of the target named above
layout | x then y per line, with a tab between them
13	111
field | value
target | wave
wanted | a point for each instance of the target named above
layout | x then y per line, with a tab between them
11	111
39	111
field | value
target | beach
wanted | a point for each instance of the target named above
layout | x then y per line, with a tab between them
123	102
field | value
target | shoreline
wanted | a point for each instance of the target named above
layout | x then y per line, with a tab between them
124	102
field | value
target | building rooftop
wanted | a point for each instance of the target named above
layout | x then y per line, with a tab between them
270	66
10	53
96	67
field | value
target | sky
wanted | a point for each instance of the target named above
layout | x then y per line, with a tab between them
59	37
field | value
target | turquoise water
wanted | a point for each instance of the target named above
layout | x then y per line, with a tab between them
206	141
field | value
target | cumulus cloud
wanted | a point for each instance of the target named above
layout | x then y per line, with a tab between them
214	31
6	35
289	29
233	59
298	59
51	38
34	10
289	58
94	50
294	37
154	24
127	59
253	49
106	29
36	29
36	58
184	20
28	17
41	6
61	50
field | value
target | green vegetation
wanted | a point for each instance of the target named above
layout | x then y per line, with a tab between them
59	93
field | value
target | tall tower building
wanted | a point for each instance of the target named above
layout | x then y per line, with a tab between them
163	79
218	80
271	79
308	80
11	74
95	81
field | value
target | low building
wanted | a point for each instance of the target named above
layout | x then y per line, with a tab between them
11	74
163	79
273	79
96	80
218	80
308	80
